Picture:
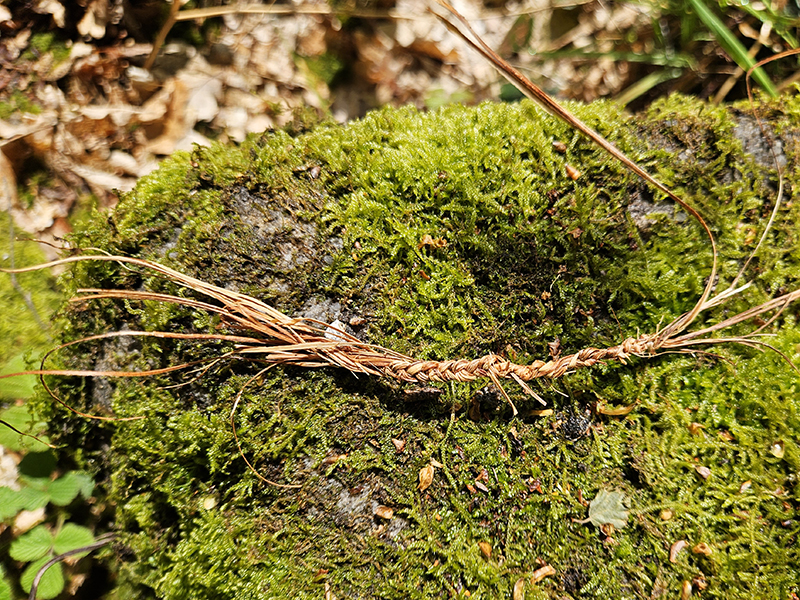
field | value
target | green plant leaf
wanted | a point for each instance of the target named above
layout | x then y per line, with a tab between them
10	502
71	537
731	44
38	465
5	585
51	583
32	498
31	546
64	489
16	388
20	418
608	508
86	482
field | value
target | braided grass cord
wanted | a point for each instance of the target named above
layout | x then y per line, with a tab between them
493	366
276	338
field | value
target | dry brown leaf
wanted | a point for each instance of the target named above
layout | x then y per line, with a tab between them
519	590
702	548
541	573
93	23
541	412
675	549
696	428
53	8
703	471
572	172
686	590
777	449
425	477
486	549
427	240
8	184
384	512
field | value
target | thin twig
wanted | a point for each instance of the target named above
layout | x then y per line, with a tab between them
98	543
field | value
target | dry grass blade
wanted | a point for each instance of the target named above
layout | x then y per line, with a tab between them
467	33
281	340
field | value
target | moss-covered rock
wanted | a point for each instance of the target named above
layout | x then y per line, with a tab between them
443	235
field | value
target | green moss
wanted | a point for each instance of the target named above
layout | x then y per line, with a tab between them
41	43
331	222
18	102
23	338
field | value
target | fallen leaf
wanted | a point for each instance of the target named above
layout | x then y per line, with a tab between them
702	471
539	574
608	508
702	548
695	428
544	412
777	449
27	520
486	549
425	478
686	590
399	445
519	590
93	23
675	549
53	8
384	512
573	173
8	184
700	582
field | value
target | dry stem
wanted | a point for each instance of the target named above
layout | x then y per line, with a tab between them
277	339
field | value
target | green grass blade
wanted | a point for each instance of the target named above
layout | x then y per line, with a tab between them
645	84
731	44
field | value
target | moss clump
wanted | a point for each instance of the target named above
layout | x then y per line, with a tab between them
23	338
332	223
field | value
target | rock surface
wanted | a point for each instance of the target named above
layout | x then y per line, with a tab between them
332	223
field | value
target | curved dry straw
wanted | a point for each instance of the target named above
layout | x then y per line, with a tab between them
277	339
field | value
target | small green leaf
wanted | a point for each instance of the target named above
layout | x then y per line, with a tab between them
608	508
31	498
20	418
5	585
51	583
34	544
38	465
10	503
64	489
71	537
16	388
86	482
